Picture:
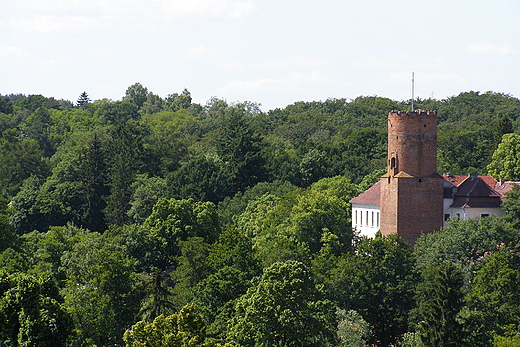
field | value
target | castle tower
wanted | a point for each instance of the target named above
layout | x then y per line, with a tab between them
411	190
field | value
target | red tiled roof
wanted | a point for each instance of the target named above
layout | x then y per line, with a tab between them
472	191
457	180
476	186
502	187
371	196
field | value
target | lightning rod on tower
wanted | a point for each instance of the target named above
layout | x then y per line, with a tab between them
412	89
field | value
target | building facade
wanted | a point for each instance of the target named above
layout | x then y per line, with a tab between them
412	198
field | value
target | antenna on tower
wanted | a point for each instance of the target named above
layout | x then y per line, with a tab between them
412	89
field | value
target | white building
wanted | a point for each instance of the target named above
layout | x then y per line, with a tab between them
465	197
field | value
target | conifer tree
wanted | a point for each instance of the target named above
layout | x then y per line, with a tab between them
439	303
83	100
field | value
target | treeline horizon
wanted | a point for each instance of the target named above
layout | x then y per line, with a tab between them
223	225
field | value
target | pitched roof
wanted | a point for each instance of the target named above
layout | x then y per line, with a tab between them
371	196
477	191
457	180
476	186
473	191
502	187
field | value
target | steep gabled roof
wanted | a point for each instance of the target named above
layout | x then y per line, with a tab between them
476	186
472	191
371	196
457	180
502	187
475	191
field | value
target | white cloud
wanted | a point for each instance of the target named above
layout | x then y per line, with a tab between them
233	66
425	78
290	83
398	62
490	48
293	64
50	24
314	77
224	9
8	51
247	86
197	53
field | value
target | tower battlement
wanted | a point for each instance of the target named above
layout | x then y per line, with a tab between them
414	112
412	142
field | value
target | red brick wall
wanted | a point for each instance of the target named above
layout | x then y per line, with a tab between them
411	191
412	140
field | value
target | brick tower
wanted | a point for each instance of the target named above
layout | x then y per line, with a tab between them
411	190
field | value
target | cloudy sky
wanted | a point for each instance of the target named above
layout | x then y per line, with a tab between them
273	52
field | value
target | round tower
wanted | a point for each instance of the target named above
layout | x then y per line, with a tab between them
412	190
412	142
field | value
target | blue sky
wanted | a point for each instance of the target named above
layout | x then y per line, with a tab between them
270	52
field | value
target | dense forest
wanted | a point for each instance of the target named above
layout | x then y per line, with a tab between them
153	221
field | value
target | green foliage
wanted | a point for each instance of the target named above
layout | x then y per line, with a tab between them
512	207
37	127
83	100
504	126
116	112
165	142
473	108
19	160
6	106
153	104
506	159
377	281
7	235
353	330
464	150
25	215
158	299
44	250
410	340
126	158
201	178
136	94
173	221
12	261
240	149
106	164
464	242
363	151
439	301
284	308
294	226
492	302
232	207
98	271
146	192
183	329
175	102
510	339
31	312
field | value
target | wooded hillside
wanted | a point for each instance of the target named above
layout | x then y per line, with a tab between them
162	222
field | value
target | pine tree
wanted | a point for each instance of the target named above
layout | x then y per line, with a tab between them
83	100
439	303
95	181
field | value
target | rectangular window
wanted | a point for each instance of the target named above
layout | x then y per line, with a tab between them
366	220
484	215
355	217
446	216
458	215
372	218
377	219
